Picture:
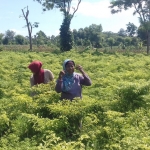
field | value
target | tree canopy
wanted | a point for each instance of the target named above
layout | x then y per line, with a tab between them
64	6
141	7
68	9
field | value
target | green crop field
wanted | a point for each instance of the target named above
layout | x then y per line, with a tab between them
114	113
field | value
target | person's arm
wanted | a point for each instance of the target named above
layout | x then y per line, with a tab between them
84	80
58	87
51	76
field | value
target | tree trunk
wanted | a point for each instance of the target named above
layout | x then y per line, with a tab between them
29	26
30	37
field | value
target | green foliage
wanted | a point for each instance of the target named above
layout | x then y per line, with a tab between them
141	8
113	113
20	40
132	96
66	40
4	123
86	38
131	29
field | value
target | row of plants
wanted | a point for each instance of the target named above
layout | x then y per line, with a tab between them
113	114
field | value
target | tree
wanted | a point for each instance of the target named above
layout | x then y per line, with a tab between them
66	37
1	38
95	28
141	33
89	36
20	39
5	41
135	41
81	33
41	38
111	41
131	29
29	25
122	32
128	41
141	7
9	36
64	6
75	35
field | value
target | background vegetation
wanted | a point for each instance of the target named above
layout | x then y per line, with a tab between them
90	37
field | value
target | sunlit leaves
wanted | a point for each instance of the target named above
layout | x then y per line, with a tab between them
113	113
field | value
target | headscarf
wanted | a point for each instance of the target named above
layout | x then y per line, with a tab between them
38	72
68	79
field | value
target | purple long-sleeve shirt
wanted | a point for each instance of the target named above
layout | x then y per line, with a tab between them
76	90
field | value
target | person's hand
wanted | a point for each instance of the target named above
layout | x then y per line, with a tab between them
61	74
79	67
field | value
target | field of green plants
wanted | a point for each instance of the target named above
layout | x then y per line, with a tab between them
114	113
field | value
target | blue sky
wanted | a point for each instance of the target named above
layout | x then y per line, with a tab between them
89	12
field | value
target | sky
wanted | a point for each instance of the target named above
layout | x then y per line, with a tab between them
89	12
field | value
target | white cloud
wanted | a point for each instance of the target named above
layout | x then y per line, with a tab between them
55	33
16	31
100	10
94	9
19	32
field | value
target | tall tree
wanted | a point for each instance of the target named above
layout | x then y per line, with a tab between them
141	33
9	37
122	32
111	41
41	38
95	28
29	25
20	39
68	10
66	37
128	41
1	37
131	29
141	7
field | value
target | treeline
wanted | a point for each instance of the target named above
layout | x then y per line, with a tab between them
92	36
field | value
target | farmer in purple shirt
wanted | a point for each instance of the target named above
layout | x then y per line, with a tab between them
69	83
